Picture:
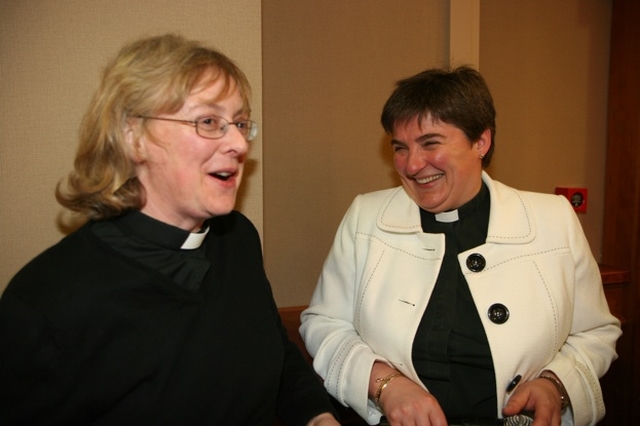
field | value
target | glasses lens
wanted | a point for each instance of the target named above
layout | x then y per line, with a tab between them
248	128
212	127
216	127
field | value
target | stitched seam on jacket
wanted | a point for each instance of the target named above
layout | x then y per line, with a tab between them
366	288
386	206
526	213
520	257
595	386
346	348
398	249
553	305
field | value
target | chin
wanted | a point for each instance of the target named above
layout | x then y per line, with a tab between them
221	210
220	204
432	207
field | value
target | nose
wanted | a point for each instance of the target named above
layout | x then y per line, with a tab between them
236	142
416	160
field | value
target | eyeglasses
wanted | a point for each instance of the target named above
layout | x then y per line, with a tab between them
213	127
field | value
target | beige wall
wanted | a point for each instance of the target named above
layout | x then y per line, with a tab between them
51	54
547	63
321	71
328	67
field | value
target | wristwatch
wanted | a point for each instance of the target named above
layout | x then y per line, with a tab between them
564	396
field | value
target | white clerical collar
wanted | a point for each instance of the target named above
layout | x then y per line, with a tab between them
447	217
194	240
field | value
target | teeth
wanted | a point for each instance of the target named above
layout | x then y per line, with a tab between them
223	175
429	179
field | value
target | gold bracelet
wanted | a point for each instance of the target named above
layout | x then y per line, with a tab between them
383	382
564	396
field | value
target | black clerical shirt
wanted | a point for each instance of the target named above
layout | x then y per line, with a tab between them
451	353
156	245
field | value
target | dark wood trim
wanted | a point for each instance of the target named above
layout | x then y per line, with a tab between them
290	316
616	288
621	230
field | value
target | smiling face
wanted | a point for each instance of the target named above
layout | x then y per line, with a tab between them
439	167
188	179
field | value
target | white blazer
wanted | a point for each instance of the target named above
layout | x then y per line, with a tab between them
381	270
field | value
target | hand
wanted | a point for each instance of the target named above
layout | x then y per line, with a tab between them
324	419
539	396
403	402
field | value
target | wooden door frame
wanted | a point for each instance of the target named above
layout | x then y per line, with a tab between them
621	230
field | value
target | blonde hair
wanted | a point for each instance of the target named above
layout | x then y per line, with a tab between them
150	76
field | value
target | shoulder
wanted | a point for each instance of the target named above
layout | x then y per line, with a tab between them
505	195
521	215
71	263
233	223
378	197
233	230
66	252
372	203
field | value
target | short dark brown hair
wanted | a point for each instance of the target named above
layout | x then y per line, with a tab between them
459	97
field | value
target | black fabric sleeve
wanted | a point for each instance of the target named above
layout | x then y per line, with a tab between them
302	395
30	365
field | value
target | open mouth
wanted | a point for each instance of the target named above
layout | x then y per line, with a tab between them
225	176
429	179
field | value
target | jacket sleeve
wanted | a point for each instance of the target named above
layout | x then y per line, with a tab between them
589	348
341	357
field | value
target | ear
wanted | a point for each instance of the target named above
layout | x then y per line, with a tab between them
135	140
483	143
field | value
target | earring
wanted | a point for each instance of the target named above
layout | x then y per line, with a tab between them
481	156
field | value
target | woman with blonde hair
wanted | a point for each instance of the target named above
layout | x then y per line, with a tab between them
157	310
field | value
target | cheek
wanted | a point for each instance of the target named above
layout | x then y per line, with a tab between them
174	165
439	159
399	161
185	159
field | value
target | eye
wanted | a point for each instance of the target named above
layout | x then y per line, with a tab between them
209	123
429	144
242	125
398	147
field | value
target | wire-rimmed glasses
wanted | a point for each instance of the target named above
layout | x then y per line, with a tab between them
214	127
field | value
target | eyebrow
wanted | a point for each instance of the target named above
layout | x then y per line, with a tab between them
421	138
202	105
427	136
216	108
